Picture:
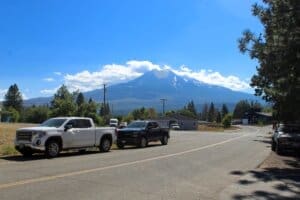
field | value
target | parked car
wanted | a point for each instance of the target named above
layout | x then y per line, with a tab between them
174	126
63	133
140	133
286	137
113	122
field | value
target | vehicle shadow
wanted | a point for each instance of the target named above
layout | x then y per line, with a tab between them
130	147
40	156
283	180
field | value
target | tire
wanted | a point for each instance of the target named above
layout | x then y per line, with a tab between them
26	153
120	145
273	146
52	149
164	140
143	142
82	151
278	149
105	145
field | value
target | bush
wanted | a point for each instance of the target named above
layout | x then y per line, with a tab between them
10	115
227	121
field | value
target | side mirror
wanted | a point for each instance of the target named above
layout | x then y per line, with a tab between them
68	126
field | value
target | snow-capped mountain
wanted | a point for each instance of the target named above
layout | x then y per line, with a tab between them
148	89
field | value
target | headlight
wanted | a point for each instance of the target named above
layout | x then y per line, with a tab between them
39	134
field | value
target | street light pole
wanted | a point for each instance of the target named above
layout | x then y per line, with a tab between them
163	102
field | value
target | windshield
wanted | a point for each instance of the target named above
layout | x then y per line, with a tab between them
289	129
53	123
137	125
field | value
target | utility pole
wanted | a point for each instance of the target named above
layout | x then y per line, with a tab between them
104	99
163	102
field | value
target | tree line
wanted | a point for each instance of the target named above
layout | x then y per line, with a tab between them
66	103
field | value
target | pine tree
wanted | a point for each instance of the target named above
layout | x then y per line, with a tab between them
277	51
80	99
211	112
204	114
13	98
224	110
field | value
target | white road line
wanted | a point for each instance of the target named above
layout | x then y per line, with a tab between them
48	178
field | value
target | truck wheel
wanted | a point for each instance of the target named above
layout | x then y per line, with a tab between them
52	149
143	143
26	153
278	149
120	145
105	145
273	146
164	140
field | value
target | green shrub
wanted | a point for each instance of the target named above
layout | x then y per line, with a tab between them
227	121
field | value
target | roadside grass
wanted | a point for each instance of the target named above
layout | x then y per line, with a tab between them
215	128
7	136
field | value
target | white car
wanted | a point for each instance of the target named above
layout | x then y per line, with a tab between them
63	133
175	126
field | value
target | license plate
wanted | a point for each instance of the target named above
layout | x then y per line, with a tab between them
123	141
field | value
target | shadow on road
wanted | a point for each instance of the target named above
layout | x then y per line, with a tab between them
40	156
283	179
129	147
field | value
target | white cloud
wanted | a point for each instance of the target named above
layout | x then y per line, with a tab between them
109	74
24	96
2	94
49	91
58	73
115	73
214	78
48	79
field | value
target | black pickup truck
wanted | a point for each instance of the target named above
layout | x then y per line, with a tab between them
140	133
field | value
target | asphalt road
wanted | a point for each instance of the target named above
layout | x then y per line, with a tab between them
194	165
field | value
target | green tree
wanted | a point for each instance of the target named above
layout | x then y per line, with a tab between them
219	117
224	110
204	113
63	103
36	114
80	99
191	107
10	115
91	111
211	113
277	51
81	105
227	121
240	109
13	98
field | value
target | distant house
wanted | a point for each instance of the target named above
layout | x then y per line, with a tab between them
185	123
256	117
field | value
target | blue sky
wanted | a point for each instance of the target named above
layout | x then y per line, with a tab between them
44	44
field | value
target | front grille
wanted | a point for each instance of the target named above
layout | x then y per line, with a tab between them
24	135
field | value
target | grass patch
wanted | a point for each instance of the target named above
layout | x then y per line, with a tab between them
8	150
7	136
215	128
211	127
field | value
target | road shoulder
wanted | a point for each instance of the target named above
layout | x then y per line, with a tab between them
278	177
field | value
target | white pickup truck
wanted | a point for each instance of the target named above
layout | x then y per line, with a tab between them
64	133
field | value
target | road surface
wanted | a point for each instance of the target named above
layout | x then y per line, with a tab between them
194	165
